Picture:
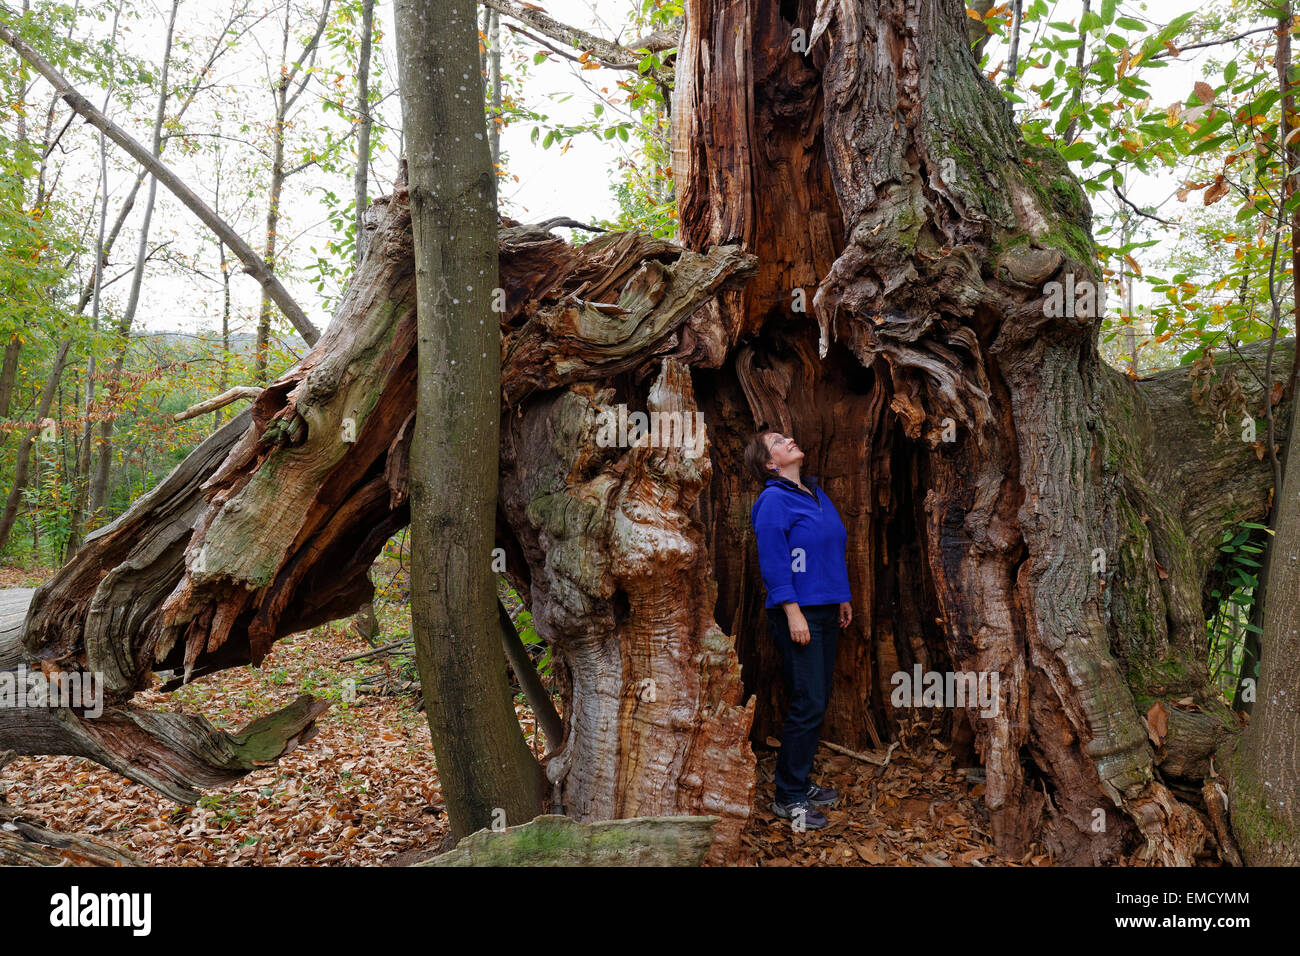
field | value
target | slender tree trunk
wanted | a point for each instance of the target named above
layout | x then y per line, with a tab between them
14	346
1245	695
280	95
284	100
539	699
483	760
23	460
224	381
1076	97
494	82
1130	333
1013	54
1263	778
1291	179
103	465
359	179
1261	767
81	477
9	376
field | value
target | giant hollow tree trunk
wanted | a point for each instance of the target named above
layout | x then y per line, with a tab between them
870	259
1059	541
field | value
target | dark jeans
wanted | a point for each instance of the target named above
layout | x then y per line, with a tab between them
809	669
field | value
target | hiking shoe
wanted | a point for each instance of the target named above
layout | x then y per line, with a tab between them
822	796
800	813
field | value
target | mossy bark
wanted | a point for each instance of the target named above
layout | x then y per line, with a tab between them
558	841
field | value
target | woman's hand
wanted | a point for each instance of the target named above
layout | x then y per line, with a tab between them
799	632
846	613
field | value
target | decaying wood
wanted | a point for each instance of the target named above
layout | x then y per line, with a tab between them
618	575
552	840
1215	795
175	754
24	842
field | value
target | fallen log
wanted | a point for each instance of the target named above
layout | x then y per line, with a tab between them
553	840
24	842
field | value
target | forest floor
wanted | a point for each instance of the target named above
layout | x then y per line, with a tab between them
364	791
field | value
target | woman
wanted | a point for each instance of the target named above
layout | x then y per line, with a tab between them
801	555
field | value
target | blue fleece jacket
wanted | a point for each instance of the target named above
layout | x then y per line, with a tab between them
800	544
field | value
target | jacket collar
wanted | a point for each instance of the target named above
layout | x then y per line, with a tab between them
810	481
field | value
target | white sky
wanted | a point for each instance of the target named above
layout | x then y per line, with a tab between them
576	184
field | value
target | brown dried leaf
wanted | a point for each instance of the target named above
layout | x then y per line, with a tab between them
869	851
1157	721
1217	191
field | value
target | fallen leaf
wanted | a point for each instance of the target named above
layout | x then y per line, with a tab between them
869	851
1157	721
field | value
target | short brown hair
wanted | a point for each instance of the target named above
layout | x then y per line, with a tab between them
756	457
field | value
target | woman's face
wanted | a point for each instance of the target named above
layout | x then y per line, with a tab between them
783	451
